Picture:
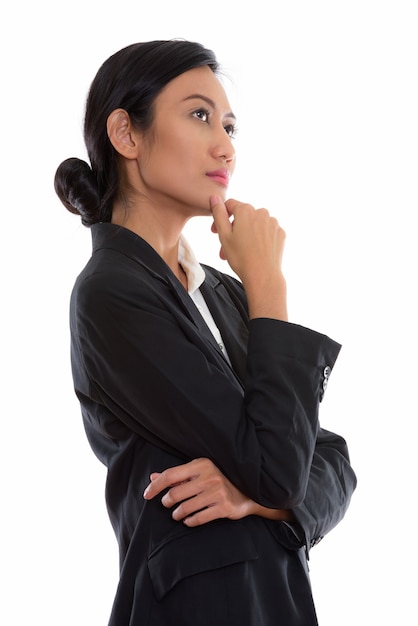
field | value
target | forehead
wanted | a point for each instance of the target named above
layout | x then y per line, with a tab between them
200	81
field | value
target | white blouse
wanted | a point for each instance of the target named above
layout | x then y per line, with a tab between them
195	277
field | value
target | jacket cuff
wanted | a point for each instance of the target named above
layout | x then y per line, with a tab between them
295	342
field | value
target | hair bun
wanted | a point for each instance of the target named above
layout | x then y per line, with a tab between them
76	187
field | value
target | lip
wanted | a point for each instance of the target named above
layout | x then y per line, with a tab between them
220	176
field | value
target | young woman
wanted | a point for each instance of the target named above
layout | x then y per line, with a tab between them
196	392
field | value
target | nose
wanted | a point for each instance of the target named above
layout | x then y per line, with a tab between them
223	148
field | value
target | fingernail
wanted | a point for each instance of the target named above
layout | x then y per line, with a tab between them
146	492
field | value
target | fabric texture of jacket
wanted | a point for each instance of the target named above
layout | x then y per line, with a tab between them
156	391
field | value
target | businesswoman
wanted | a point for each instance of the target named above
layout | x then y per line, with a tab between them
196	392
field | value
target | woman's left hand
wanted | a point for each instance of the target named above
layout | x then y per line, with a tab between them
198	493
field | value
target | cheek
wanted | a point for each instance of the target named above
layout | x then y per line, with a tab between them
177	156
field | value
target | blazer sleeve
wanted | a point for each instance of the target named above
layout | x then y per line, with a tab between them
331	480
331	484
135	360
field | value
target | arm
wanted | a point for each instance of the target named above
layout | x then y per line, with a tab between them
199	493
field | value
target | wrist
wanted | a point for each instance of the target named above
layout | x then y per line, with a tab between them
280	515
267	298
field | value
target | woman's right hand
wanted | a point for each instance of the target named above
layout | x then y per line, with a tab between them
252	242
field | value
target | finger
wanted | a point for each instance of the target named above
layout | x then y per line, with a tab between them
204	491
204	478
180	492
221	223
168	478
192	505
220	214
202	517
221	251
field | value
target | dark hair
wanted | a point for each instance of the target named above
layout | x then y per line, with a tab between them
130	79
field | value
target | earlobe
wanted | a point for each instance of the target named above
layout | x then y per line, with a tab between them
121	134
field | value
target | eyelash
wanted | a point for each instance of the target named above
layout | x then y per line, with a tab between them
230	129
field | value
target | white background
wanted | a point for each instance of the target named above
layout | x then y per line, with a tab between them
326	97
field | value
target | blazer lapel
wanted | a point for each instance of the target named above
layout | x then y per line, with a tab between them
190	309
228	319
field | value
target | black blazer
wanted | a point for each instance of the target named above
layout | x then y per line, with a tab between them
156	391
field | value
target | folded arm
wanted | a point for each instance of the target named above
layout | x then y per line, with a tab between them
198	493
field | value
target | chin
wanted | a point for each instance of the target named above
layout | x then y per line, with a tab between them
201	212
201	209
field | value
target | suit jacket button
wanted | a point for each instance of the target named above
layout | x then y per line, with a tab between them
326	373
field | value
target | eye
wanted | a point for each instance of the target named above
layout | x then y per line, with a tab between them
231	130
202	115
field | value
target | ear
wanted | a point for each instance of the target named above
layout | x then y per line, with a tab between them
122	135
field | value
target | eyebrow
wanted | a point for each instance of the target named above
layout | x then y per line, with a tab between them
209	101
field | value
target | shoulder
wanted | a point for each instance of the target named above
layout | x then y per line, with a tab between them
113	281
121	261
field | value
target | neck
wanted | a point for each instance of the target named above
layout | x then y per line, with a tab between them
161	234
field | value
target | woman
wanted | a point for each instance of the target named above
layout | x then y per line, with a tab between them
196	392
